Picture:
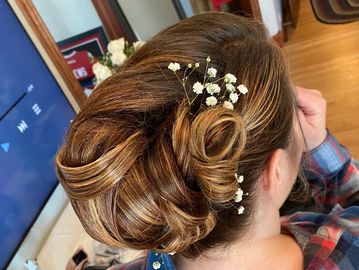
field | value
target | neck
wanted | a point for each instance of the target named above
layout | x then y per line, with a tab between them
266	227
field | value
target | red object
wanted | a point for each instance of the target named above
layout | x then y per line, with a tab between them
218	3
80	64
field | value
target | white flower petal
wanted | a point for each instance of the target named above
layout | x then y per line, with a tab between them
118	58
233	97
242	89
156	265
212	88
240	210
230	87
230	78
211	101
228	105
117	45
198	88
174	67
239	195
212	72
196	65
101	72
138	44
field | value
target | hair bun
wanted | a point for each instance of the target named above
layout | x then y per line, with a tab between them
210	147
218	138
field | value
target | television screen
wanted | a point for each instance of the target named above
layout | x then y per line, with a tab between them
34	115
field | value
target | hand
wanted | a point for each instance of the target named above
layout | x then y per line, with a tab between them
312	116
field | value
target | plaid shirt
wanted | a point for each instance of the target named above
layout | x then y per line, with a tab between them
329	238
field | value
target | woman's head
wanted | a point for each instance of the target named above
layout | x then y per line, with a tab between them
146	171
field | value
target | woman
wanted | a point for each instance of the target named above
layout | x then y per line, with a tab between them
173	155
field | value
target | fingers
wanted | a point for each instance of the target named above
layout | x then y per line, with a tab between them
312	115
310	101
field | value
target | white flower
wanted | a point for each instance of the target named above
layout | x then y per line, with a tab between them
174	67
230	87
198	88
242	89
208	59
212	72
230	78
211	101
233	97
239	195
101	72
212	88
117	45
156	265
138	44
240	178
172	253
196	65
189	65
240	210
118	58
228	105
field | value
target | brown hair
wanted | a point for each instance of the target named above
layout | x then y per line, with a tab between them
145	171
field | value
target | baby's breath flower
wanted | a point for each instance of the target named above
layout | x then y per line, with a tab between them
211	101
242	89
212	88
239	195
228	105
230	87
233	97
196	65
174	67
156	265
208	59
230	78
212	72
189	65
240	210
198	88
240	178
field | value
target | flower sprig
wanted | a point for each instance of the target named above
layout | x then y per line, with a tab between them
239	193
228	97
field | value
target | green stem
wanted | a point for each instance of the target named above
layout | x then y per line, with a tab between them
184	87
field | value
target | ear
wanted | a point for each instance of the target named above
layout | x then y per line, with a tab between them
274	172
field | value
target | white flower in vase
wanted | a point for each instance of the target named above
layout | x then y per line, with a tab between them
117	45
101	72
118	58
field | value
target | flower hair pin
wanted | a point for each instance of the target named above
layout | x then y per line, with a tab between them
239	193
211	85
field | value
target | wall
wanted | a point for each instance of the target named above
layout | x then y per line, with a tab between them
271	11
67	18
148	17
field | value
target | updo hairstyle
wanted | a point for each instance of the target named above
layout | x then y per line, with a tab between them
144	170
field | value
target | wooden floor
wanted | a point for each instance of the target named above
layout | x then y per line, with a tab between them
326	57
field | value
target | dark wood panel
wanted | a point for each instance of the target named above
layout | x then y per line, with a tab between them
108	18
